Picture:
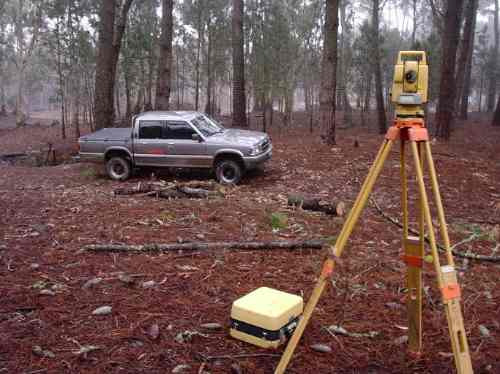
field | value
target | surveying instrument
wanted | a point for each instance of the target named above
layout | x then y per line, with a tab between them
409	93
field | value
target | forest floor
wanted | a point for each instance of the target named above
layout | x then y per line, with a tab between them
49	213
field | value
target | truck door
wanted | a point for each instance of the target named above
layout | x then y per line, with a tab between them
150	149
183	150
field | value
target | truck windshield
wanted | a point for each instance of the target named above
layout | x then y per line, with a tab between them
206	126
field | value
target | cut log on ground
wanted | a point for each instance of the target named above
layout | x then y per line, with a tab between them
317	204
206	246
197	190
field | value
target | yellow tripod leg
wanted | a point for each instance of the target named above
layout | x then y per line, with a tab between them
414	252
329	263
450	290
446	278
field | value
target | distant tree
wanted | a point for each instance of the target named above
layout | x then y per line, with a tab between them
239	99
163	82
329	71
465	58
496	116
26	19
493	75
449	43
111	29
382	125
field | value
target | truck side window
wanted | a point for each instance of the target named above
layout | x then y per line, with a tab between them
179	130
150	129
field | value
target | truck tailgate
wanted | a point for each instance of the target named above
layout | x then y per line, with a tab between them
108	134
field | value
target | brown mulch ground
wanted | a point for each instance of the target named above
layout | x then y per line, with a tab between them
49	213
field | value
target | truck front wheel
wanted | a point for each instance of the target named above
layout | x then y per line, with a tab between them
228	171
118	168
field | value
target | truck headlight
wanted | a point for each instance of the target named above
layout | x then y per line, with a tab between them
256	150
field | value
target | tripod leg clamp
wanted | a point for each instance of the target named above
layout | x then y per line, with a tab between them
450	289
450	292
413	261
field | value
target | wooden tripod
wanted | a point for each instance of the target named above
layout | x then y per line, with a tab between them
410	131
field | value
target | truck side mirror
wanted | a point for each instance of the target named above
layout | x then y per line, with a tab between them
196	137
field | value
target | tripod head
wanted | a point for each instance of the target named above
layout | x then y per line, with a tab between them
410	84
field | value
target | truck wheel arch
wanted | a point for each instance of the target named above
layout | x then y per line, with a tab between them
229	156
117	152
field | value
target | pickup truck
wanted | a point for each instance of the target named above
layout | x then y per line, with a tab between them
181	139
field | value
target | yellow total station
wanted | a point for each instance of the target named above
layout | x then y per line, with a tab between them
410	84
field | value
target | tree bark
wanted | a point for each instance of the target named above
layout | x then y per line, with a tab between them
329	71
108	45
449	41
163	82
492	88
239	99
382	125
466	45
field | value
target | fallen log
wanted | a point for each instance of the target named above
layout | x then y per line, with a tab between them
206	246
177	191
317	205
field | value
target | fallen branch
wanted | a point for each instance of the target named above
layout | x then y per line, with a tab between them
200	246
173	191
469	255
317	205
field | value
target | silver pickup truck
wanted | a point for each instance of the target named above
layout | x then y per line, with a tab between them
178	140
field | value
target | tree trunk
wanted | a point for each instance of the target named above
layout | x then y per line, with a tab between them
464	101
414	29
239	100
496	115
449	41
210	76
492	88
201	36
466	46
108	51
163	82
329	71
382	126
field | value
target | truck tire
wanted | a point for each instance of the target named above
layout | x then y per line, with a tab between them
228	171
118	168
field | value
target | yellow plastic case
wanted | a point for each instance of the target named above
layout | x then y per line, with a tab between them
265	317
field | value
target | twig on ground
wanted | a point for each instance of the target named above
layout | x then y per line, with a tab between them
469	255
236	356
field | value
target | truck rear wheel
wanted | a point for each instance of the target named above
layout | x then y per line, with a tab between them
118	168
228	171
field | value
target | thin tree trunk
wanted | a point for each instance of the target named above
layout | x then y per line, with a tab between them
382	126
451	33
163	83
238	94
208	104
201	36
496	116
414	29
465	91
492	88
329	71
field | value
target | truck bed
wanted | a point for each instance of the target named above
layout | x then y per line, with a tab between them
109	134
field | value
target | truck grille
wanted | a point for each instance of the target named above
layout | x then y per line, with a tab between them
266	145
